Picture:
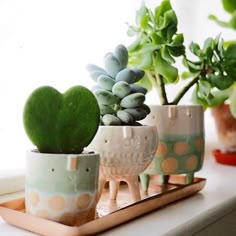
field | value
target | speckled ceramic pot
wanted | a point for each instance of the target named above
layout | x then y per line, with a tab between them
62	187
125	152
181	141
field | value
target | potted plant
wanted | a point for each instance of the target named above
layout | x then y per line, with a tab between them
61	180
156	46
225	114
126	147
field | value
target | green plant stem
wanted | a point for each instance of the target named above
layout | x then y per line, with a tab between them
154	82
185	90
163	91
151	78
158	83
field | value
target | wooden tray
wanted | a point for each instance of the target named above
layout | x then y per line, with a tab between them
110	213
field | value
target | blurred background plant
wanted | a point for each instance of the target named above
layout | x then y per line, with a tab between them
229	6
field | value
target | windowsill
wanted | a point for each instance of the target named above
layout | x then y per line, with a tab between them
11	181
186	217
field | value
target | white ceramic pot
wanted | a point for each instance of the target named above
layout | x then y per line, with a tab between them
125	152
62	187
181	141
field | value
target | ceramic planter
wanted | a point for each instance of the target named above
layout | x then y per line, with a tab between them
181	141
125	152
226	127
226	130
62	187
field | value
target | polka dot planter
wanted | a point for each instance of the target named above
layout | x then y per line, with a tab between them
125	152
181	142
62	187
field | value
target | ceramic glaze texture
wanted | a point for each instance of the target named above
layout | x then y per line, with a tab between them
62	188
125	152
181	140
177	155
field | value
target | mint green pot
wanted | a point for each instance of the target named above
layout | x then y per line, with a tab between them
181	142
62	187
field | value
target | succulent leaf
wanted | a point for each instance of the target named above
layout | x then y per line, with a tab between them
121	89
121	53
112	64
108	119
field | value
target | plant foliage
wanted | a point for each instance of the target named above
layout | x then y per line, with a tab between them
156	46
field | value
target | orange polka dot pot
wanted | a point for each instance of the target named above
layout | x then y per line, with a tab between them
181	142
62	187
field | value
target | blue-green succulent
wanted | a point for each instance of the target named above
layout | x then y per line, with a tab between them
120	99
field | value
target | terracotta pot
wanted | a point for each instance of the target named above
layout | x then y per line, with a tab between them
181	141
62	187
226	127
226	130
125	152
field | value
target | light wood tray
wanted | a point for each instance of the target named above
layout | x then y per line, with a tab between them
110	213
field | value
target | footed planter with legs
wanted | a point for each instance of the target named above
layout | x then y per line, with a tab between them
61	180
126	147
181	142
126	151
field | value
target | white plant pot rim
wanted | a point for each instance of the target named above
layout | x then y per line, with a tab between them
86	152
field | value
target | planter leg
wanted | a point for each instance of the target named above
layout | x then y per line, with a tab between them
144	179
165	179
101	185
114	187
133	184
189	178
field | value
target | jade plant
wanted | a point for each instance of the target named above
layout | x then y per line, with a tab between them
120	99
157	45
61	123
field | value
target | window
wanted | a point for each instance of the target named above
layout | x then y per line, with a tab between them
51	41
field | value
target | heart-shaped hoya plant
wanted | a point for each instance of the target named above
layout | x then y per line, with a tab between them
61	123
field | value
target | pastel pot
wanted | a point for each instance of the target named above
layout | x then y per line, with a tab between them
125	152
62	187
181	141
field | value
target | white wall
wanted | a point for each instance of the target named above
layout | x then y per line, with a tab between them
51	41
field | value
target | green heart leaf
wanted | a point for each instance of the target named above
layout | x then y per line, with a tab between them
61	123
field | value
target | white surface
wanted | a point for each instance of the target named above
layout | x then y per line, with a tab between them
185	217
12	181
